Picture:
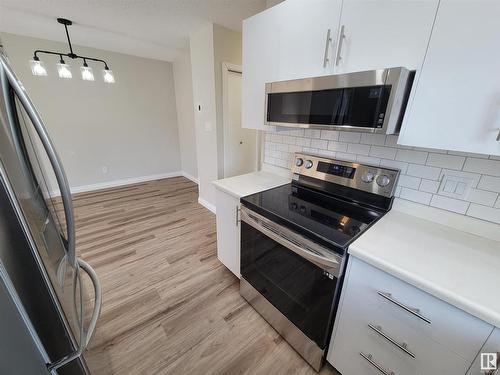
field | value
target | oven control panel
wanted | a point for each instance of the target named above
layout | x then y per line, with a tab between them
369	178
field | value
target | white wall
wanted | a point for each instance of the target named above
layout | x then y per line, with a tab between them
210	46
185	114
201	45
130	127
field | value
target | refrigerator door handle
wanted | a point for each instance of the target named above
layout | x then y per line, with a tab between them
54	159
97	299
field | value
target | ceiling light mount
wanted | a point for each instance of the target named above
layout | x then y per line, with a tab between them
38	68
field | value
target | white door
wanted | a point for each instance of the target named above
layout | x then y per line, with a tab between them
240	145
384	34
307	38
456	105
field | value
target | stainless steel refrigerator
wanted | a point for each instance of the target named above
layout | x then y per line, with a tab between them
46	316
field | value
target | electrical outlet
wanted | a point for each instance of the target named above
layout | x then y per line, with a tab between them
104	169
455	186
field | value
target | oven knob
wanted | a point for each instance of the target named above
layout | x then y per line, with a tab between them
367	177
309	164
383	180
299	162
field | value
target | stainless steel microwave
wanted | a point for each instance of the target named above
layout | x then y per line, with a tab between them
371	101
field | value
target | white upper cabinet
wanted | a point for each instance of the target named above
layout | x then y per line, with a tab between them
287	41
456	105
384	33
260	41
307	38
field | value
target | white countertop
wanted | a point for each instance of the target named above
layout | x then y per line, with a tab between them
250	183
460	268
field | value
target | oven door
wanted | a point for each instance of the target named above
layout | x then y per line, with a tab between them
297	276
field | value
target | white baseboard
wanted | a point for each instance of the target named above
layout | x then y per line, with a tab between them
190	177
122	182
206	204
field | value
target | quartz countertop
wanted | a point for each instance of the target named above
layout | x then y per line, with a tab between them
250	183
457	267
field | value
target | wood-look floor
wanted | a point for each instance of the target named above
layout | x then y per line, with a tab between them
169	305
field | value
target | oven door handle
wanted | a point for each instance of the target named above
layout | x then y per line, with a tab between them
301	246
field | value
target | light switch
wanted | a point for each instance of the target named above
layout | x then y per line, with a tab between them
208	126
457	187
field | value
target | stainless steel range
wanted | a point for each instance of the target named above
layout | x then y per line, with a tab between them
294	241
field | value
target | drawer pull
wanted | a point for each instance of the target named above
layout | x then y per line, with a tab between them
382	370
401	346
411	310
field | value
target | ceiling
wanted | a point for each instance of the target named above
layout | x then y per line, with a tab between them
156	29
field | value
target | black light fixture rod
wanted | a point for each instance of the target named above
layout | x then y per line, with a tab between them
72	56
69	40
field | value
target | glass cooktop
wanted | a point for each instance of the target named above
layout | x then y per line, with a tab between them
313	214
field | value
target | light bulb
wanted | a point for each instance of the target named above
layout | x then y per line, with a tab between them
64	70
38	68
108	76
87	74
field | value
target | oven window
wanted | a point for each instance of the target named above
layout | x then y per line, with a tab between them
355	106
300	290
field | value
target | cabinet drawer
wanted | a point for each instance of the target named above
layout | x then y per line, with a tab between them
360	346
404	305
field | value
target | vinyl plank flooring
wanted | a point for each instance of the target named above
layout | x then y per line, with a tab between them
169	305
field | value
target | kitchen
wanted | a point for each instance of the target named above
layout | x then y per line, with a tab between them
364	240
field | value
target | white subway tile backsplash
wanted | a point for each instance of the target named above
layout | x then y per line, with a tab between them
485	213
446	161
368	160
489	183
330	135
409	181
373	139
312	133
383	152
337	146
415	196
484	166
429	186
350	137
423	171
319	143
401	165
449	204
486	198
412	156
304	142
357	148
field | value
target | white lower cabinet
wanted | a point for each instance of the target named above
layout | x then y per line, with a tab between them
385	324
228	230
490	348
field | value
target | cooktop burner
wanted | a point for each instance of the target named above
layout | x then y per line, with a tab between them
312	213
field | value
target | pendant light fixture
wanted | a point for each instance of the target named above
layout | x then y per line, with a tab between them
38	67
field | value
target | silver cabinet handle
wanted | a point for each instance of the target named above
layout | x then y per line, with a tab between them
411	310
327	47
382	370
238	220
498	136
54	159
340	41
401	346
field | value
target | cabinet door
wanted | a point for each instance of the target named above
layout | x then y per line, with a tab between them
260	40
492	346
456	105
228	231
308	32
384	33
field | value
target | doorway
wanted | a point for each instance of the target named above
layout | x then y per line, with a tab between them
240	144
